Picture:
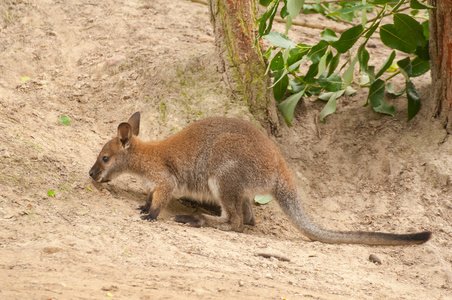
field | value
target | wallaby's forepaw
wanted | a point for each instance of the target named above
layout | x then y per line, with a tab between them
152	215
144	209
194	220
148	218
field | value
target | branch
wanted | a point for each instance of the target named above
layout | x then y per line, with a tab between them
295	22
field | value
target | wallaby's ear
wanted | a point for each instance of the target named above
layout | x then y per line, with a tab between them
134	122
125	134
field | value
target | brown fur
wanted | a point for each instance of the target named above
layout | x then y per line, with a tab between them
222	161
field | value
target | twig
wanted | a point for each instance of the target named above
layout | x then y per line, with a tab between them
309	25
277	256
294	22
199	1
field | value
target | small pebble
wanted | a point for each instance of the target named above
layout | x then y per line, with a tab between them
373	258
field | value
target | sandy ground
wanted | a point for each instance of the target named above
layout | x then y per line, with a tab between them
98	62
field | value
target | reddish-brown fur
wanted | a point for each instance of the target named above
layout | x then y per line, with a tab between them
222	161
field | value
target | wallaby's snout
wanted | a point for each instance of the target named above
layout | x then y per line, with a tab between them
94	173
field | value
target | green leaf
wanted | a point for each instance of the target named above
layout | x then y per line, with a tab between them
287	107
385	108
280	88
363	58
279	40
376	93
387	64
348	74
390	90
297	85
322	65
24	79
326	96
296	54
419	67
381	2
372	30
364	79
294	7
414	102
329	35
312	72
334	63
426	30
405	34
330	106
423	52
267	53
265	2
286	54
263	199
405	65
331	84
269	15
349	91
406	24
277	62
348	39
317	51
350	9
51	193
65	120
284	13
284	72
415	4
391	38
393	68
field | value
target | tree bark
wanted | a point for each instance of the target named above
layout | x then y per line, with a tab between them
240	59
441	59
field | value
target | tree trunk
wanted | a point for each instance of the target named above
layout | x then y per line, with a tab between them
241	60
441	59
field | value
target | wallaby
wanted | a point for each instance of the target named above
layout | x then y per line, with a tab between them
222	161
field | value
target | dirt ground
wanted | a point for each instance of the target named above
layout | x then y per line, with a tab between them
97	62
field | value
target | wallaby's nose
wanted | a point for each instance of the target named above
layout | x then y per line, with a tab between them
91	173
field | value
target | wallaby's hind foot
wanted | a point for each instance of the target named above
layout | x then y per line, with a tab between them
203	220
193	220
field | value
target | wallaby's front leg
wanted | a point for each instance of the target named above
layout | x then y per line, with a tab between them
248	215
147	206
156	201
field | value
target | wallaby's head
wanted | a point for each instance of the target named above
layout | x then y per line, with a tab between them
113	159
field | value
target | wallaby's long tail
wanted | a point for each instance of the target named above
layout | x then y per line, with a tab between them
294	210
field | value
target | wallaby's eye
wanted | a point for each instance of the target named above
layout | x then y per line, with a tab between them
105	159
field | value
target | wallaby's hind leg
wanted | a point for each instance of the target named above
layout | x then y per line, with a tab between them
248	215
231	218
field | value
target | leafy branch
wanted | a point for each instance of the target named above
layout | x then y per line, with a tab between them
323	77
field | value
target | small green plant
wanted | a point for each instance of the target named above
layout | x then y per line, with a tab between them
326	75
8	16
65	120
51	193
163	111
24	79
